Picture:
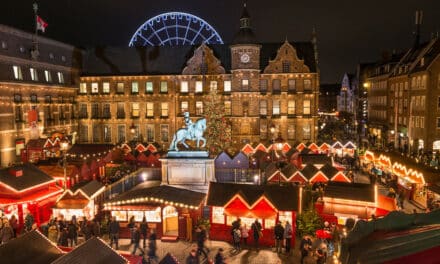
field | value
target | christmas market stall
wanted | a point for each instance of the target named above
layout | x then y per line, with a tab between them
26	188
267	203
171	211
82	200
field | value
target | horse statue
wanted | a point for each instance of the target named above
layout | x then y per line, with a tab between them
193	132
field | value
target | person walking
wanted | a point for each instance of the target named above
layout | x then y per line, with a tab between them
279	237
257	232
288	232
72	233
237	238
201	237
131	226
6	233
113	230
152	246
136	238
53	231
219	257
245	234
144	229
13	222
28	221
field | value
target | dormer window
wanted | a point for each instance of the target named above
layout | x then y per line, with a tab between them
422	62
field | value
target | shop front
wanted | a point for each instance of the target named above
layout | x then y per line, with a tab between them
268	204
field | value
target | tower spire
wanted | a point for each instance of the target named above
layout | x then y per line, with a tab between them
245	19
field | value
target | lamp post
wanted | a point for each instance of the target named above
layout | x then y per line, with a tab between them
64	146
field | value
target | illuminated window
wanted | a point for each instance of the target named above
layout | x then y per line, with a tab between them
263	128
306	108
291	83
120	110
153	215
286	66
245	85
150	132
149	87
135	109
164	133
60	77
227	87
263	107
184	87
291	107
276	107
17	72
228	109
164	109
83	88
184	106
34	74
163	87
276	86
269	223
199	87
218	215
134	87
138	215
306	132
199	108
106	87
95	88
244	221
291	131
307	85
84	133
121	133
284	216
150	109
263	85
120	88
213	85
47	76
120	215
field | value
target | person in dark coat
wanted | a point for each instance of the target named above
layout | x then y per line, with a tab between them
28	221
219	257
72	230
113	230
256	230
192	257
6	232
152	246
136	238
144	229
279	236
95	228
63	241
201	237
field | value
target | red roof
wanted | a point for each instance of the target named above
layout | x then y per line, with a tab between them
33	197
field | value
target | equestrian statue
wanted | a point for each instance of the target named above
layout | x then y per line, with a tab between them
192	131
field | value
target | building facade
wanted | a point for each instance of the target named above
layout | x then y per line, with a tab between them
140	93
37	74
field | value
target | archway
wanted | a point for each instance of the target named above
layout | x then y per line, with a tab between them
170	221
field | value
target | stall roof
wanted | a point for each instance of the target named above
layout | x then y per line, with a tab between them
284	198
32	246
88	188
309	171
31	176
350	191
163	192
316	159
94	251
329	170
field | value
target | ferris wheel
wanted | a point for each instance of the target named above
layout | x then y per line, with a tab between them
175	28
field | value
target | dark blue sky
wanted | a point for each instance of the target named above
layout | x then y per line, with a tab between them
348	31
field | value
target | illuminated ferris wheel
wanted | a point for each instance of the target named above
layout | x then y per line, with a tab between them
175	28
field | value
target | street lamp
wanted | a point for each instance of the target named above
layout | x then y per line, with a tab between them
64	144
132	130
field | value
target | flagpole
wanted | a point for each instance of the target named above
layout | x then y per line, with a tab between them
35	51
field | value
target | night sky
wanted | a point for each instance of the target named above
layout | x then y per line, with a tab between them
348	31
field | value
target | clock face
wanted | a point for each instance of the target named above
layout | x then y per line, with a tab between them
245	58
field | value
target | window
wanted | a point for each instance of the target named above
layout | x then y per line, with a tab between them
120	88
306	132
423	85
149	87
228	109
291	132
199	108
96	133
213	85
134	87
422	122
438	122
107	133
83	88
291	107
95	110
164	109
306	109
121	133
291	84
34	74
106	87
263	107
83	111
120	110
150	109
34	98
307	85
150	133
163	87
218	215
286	66
263	128
284	216
48	99
47	76
22	49
17	72
84	133
245	108
4	45
135	110
106	111
276	86
184	87
245	85
17	98
51	56
164	133
263	86
199	87
95	88
63	58
184	106
60	77
276	107
227	87
438	102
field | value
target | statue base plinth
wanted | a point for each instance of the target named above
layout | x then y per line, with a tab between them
187	154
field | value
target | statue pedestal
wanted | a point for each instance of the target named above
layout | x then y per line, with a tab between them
191	170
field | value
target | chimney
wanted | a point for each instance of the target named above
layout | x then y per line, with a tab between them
16	172
419	18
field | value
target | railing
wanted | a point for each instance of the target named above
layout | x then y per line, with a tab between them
238	175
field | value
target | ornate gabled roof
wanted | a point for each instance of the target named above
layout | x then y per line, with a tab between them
286	53
203	62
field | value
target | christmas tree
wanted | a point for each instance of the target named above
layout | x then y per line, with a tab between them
218	126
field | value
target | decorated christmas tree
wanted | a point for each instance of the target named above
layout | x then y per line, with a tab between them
218	127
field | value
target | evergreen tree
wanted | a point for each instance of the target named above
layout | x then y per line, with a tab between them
218	127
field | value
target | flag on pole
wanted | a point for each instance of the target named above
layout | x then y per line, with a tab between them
41	24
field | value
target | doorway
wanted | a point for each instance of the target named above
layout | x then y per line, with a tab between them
170	221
